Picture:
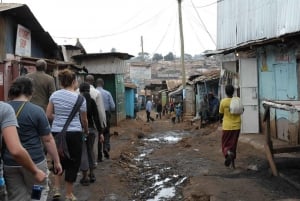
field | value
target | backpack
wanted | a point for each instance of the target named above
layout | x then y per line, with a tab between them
236	106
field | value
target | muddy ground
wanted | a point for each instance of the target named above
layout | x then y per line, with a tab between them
162	161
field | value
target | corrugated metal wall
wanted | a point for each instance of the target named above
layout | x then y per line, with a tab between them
190	100
109	65
115	85
120	98
240	21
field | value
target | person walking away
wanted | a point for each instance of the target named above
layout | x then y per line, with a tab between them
159	109
148	110
172	107
60	105
213	107
204	110
98	98
9	138
43	84
173	117
231	125
178	112
33	130
109	106
87	161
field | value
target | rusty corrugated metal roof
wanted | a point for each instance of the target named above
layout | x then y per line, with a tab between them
206	76
130	85
8	6
123	56
173	84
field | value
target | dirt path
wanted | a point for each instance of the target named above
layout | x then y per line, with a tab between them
144	166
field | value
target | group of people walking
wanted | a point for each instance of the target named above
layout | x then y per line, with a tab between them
175	111
32	118
36	113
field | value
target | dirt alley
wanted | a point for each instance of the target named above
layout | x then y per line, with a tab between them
196	157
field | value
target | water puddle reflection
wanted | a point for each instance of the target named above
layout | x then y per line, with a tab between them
160	182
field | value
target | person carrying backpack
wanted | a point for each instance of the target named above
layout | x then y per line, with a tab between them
231	125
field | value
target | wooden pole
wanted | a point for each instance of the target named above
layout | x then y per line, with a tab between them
182	53
268	143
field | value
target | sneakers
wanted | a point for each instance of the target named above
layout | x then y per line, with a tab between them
56	194
92	178
85	181
229	159
72	198
106	154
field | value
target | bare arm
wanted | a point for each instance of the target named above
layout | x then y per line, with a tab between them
50	112
20	154
84	121
50	145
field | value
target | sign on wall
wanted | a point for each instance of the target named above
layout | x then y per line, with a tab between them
23	41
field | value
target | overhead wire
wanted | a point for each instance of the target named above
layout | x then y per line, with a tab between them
165	34
205	28
123	31
210	4
197	36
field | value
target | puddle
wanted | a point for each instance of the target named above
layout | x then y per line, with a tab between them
158	182
169	137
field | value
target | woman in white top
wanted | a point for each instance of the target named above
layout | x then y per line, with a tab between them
60	105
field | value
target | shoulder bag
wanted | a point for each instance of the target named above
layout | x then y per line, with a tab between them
60	138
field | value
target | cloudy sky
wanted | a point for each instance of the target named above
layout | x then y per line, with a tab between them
105	24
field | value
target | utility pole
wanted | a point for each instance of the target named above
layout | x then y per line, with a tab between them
182	53
142	45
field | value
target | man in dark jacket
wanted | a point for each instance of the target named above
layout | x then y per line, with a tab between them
158	110
43	84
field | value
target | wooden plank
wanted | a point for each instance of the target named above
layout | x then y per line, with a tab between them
293	134
286	149
281	105
271	160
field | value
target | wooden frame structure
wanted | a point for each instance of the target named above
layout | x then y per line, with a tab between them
292	106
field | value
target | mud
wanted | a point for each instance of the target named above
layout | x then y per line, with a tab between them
161	161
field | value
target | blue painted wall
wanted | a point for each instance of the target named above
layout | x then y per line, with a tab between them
277	71
129	102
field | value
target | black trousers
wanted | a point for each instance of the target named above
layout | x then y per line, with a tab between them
106	133
149	117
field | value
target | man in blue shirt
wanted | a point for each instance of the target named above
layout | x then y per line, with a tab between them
148	109
109	106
